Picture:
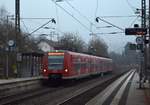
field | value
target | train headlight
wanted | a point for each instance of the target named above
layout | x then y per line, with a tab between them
44	70
66	70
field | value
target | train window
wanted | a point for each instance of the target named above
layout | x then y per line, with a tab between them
92	65
77	63
83	65
89	64
55	62
97	65
77	66
100	65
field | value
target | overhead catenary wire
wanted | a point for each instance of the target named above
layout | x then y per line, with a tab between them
58	25
37	18
96	8
72	16
25	26
83	15
40	27
79	12
110	23
131	6
46	18
57	16
134	21
127	16
33	20
107	33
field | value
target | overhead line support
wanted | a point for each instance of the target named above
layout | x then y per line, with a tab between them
17	20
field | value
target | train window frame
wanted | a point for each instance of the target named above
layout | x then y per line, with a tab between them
56	63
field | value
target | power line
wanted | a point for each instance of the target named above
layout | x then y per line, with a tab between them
78	12
52	20
96	8
38	18
107	33
131	6
109	23
25	26
57	16
134	20
40	27
72	16
46	18
128	16
35	18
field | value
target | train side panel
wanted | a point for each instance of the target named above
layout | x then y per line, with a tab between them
69	66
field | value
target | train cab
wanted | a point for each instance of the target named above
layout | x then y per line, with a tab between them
53	65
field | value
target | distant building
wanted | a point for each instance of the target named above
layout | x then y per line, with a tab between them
45	45
132	56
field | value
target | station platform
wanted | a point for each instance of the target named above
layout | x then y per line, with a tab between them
13	80
128	94
138	96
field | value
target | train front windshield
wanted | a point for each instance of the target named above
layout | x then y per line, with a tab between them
55	62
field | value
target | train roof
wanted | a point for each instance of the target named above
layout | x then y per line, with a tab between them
80	54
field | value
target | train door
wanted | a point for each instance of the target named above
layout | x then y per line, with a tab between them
82	64
87	65
76	65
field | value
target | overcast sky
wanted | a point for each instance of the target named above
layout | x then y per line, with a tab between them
84	11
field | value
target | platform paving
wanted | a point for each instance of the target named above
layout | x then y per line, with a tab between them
135	95
138	96
6	81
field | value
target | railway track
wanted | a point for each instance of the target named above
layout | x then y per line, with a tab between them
18	97
15	99
113	97
61	95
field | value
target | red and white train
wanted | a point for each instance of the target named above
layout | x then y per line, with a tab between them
70	65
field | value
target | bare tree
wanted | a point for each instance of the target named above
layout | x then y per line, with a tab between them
71	42
7	33
98	47
3	14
